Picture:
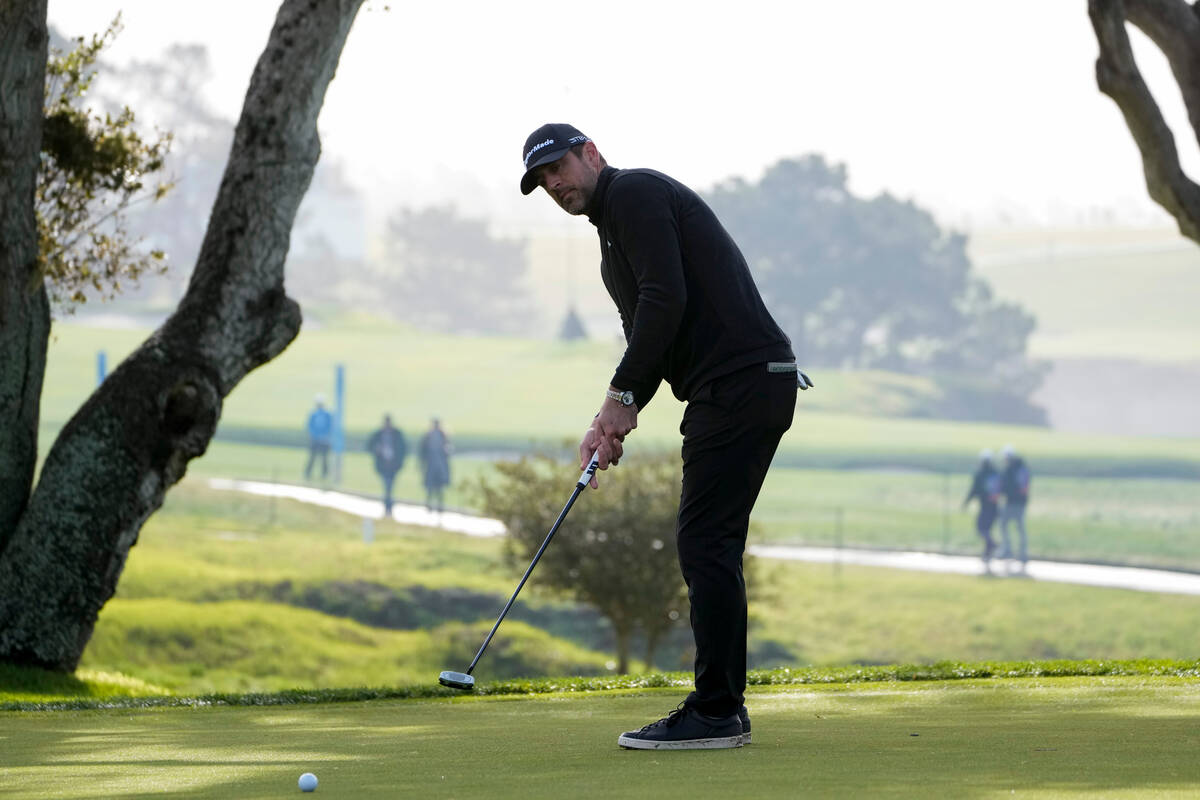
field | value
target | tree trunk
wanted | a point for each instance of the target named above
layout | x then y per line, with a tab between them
132	440
623	636
653	636
24	310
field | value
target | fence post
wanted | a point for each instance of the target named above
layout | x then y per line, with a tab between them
339	417
945	513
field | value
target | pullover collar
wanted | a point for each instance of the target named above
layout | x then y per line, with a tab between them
595	209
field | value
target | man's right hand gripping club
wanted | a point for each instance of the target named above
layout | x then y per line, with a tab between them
607	433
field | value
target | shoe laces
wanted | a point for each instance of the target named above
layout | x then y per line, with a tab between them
670	719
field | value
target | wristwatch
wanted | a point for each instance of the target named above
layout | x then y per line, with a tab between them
625	398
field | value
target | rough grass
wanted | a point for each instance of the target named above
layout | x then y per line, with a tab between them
482	389
24	689
213	600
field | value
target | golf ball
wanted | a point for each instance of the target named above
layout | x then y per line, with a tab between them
308	782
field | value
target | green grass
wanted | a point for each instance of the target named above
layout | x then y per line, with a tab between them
1042	737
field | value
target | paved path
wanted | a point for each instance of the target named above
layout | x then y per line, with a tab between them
1142	580
366	507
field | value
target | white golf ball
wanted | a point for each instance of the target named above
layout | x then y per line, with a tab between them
308	782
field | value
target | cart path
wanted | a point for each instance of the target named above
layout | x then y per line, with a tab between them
1134	578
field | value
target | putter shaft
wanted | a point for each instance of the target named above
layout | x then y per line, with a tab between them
579	486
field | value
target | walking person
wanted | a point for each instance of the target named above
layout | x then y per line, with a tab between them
320	435
434	452
985	487
389	449
692	316
1014	483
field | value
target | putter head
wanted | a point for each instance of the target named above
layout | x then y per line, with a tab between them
456	680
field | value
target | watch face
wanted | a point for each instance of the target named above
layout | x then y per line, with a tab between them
627	398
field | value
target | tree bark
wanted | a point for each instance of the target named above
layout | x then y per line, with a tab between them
112	464
24	310
623	635
1174	27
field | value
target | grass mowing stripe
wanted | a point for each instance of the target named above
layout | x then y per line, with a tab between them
1128	736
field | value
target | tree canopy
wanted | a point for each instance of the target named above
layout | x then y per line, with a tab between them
876	283
93	168
445	272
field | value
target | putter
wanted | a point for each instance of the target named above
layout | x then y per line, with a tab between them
464	680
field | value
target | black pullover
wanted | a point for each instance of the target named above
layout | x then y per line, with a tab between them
688	304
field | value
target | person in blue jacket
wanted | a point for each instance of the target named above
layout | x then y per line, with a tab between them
320	435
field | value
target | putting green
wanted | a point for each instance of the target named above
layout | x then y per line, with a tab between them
1065	737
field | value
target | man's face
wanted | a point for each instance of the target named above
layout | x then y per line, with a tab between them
571	180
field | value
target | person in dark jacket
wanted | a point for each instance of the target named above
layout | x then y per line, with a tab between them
985	487
1014	483
692	316
434	451
388	449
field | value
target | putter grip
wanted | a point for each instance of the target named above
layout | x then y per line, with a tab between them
590	471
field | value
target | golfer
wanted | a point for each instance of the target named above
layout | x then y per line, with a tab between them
692	317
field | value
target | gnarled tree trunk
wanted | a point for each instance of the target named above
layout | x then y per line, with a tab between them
24	309
132	440
1174	26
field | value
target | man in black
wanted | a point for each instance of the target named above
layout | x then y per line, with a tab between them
389	449
693	317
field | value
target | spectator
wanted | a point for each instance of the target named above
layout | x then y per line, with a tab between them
434	452
985	486
1014	483
320	434
389	450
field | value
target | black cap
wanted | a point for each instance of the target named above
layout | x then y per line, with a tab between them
548	143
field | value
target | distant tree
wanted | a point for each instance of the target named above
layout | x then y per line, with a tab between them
93	169
616	549
447	273
572	328
875	283
63	546
325	261
1174	26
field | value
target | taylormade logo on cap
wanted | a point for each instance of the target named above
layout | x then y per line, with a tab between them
574	140
535	148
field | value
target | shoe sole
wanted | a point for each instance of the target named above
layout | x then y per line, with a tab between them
746	738
720	743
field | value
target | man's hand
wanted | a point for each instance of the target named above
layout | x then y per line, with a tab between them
606	434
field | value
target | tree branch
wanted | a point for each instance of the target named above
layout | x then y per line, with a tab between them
1174	27
1118	77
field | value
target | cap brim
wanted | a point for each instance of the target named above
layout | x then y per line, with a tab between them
529	179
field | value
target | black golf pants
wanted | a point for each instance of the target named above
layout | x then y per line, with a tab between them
731	428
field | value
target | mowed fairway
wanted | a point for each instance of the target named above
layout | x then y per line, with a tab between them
1064	737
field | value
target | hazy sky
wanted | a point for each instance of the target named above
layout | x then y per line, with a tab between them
969	108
